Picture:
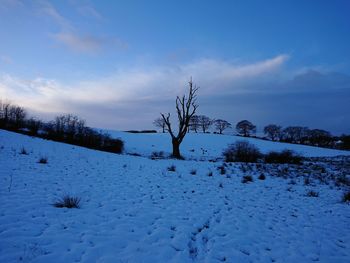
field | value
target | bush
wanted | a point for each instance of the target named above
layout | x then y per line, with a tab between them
306	181
346	197
286	156
172	168
68	202
312	194
342	180
210	174
23	151
242	151
43	160
222	170
157	155
111	145
262	177
247	179
193	172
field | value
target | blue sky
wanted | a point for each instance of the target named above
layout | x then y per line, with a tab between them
119	63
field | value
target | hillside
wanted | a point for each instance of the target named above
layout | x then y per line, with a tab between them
210	146
134	209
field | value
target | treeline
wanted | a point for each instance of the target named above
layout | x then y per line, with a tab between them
64	128
296	135
273	132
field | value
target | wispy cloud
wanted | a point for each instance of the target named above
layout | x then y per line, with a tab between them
10	4
71	37
89	11
50	11
6	59
131	98
79	43
140	84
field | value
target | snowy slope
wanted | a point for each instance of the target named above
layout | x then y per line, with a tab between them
208	146
134	210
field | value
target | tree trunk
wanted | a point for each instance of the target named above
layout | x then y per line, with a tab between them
176	149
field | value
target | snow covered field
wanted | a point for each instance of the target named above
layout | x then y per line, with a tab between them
209	146
134	209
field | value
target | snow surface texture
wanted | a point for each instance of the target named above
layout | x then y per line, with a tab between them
134	209
209	146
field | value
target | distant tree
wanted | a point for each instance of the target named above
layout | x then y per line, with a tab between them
344	142
221	125
17	116
321	138
205	123
66	127
185	108
245	128
4	113
160	123
273	131
194	123
295	134
34	125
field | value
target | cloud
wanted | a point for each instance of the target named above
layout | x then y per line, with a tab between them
10	4
132	98
71	37
79	43
50	11
88	44
89	11
127	87
6	59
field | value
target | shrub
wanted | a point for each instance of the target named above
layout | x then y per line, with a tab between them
312	194
68	202
262	177
210	174
342	180
286	156
306	181
193	172
346	197
292	181
222	170
172	168
111	145
247	179
43	160
157	155
242	151
23	151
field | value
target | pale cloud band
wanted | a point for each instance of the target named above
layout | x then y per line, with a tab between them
132	98
137	84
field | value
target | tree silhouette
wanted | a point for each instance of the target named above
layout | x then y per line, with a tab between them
160	123
245	128
185	108
221	125
273	131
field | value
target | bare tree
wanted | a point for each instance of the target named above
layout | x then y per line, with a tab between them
160	123
4	113
295	134
205	122
185	108
245	128
34	125
321	138
273	131
221	125
194	123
